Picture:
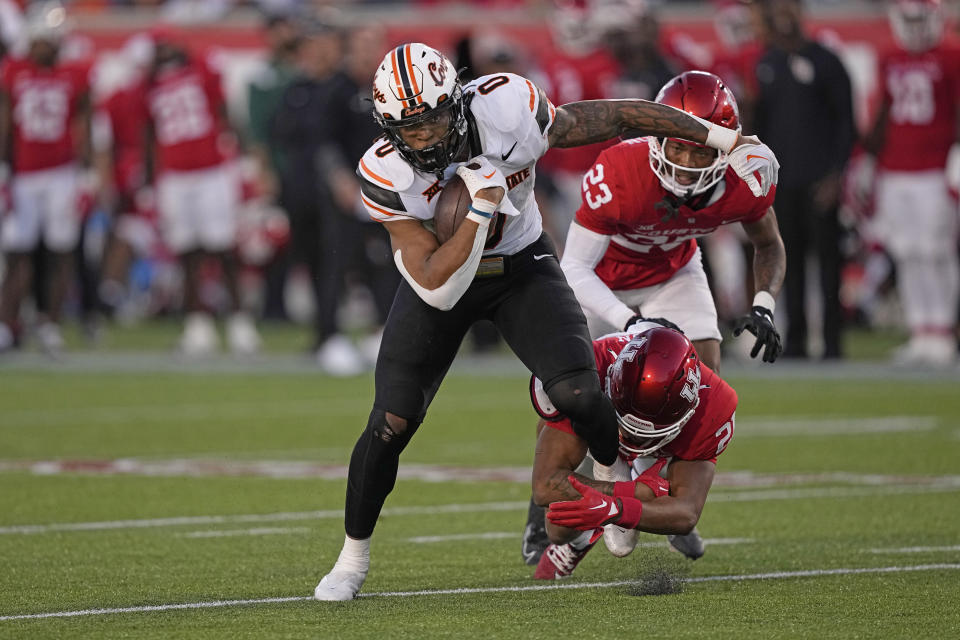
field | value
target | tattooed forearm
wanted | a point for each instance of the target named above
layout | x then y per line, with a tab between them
561	489
769	255
589	121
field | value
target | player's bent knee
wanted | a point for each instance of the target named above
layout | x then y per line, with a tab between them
577	396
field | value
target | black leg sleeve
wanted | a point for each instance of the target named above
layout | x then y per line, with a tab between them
373	472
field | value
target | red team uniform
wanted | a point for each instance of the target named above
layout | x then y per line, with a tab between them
916	215
704	437
652	259
44	101
197	190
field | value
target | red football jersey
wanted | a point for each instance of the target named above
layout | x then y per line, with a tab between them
620	197
126	125
567	78
923	93
704	437
44	102
185	104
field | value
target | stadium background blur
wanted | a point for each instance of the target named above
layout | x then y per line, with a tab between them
567	46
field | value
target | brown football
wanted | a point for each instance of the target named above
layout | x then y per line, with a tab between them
453	204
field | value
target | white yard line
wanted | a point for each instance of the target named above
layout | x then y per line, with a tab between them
826	426
955	547
802	493
228	533
775	575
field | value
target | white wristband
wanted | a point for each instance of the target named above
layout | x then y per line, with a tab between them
483	221
482	211
764	299
721	138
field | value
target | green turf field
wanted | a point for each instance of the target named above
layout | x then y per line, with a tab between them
144	498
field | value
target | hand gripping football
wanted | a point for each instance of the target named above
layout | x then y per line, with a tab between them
453	204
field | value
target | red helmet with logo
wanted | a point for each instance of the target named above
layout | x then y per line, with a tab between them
654	385
917	24
706	96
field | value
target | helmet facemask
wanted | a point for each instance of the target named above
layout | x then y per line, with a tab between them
438	156
667	171
917	25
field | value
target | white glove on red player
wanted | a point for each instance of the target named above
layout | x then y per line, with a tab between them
952	170
748	159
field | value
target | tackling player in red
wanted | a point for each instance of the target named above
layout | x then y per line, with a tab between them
675	416
632	249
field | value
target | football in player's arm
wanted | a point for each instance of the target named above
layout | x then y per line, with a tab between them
675	415
491	133
632	252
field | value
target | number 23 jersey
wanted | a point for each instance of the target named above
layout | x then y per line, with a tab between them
510	118
621	197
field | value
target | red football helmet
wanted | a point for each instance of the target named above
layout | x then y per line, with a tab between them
917	24
706	96
654	385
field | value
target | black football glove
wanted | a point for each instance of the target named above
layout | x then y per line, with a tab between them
759	322
661	321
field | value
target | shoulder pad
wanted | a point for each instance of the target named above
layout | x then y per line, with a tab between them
505	101
384	167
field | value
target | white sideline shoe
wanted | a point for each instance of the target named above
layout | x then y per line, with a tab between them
50	339
620	542
339	586
338	357
242	335
199	335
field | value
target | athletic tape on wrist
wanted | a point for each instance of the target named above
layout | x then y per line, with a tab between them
764	299
481	210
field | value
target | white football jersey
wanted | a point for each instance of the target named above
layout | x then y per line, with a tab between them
510	121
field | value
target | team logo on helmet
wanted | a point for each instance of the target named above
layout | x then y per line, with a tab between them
408	98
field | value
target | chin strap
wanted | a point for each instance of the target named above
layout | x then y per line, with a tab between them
673	204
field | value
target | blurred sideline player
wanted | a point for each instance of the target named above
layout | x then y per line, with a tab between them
491	133
118	144
675	416
197	186
632	252
44	138
914	143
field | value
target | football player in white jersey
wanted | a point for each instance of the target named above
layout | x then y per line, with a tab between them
491	133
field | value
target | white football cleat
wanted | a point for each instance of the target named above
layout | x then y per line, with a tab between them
620	542
242	334
50	339
199	335
339	585
690	545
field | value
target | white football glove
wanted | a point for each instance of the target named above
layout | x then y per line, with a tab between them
953	168
862	175
477	174
749	158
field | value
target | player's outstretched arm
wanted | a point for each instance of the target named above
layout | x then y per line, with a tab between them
673	514
589	121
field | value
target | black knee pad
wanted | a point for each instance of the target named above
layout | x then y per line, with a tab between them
580	398
373	470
